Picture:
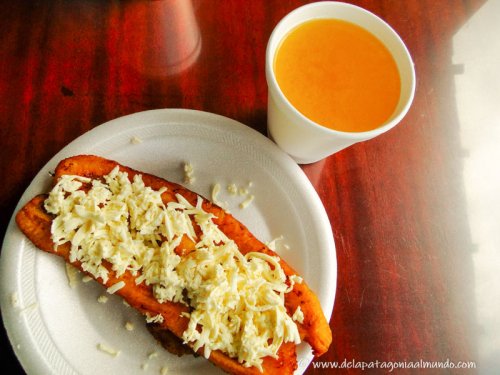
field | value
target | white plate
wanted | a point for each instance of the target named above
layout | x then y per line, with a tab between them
55	329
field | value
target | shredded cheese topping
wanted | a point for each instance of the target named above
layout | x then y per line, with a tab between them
115	287
298	315
237	301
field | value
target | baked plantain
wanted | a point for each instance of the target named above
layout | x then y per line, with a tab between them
35	223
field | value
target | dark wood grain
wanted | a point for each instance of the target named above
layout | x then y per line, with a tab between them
396	203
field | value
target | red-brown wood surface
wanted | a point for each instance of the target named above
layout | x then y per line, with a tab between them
405	289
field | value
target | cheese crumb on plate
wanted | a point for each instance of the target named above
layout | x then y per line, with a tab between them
189	177
135	140
108	350
102	299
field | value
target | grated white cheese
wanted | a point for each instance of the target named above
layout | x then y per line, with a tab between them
243	191
72	275
247	201
189	177
273	244
237	301
135	140
154	319
129	326
152	355
295	279
164	371
108	350
298	315
115	287
215	196
232	189
102	299
14	300
86	278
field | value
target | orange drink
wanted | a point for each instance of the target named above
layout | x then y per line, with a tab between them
338	74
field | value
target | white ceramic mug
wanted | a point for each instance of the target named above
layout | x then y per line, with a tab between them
303	139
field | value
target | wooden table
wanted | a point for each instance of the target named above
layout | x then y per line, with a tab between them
414	212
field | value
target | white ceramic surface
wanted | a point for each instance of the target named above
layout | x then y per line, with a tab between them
303	139
55	329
